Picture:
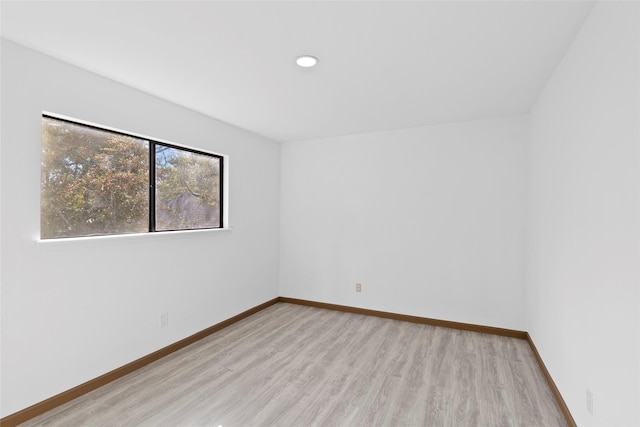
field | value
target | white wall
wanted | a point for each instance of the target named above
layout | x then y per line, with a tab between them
430	220
583	220
72	311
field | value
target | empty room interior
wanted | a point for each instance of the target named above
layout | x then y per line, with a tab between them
446	172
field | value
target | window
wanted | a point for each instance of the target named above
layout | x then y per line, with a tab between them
97	182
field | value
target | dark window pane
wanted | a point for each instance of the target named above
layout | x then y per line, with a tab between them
93	182
187	189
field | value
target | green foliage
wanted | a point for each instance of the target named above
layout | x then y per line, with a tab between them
97	182
187	189
179	172
93	182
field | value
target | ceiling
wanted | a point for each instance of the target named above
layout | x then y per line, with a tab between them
383	65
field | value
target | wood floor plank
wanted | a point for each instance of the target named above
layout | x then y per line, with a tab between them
292	365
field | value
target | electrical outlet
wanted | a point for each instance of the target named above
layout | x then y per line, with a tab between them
358	287
164	320
589	402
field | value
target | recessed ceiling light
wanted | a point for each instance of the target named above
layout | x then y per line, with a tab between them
307	61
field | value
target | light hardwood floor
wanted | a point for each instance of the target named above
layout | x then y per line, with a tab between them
292	365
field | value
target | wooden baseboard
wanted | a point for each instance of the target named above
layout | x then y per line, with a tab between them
66	396
552	385
511	333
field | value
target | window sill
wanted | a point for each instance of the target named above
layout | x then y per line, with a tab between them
162	235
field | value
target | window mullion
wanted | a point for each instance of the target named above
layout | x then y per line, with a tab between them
152	186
